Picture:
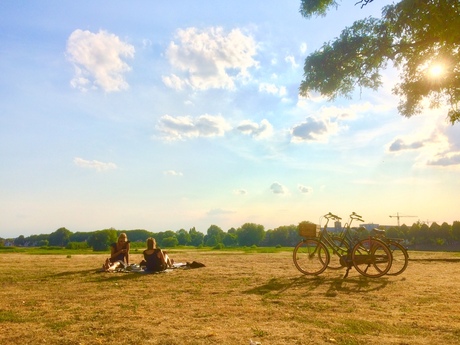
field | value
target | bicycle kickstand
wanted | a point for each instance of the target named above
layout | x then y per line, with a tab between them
346	273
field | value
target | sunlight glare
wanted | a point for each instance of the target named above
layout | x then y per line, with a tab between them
436	71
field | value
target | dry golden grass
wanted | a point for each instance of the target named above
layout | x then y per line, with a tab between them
54	299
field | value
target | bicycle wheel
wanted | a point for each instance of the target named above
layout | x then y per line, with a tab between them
371	258
400	258
311	257
339	249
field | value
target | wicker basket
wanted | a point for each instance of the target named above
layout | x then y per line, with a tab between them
309	230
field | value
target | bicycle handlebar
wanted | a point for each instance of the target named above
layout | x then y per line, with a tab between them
332	216
357	217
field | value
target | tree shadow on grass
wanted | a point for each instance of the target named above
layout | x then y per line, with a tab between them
310	283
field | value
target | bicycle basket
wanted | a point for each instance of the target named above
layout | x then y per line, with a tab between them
309	229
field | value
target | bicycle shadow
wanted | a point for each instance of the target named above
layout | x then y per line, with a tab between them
334	285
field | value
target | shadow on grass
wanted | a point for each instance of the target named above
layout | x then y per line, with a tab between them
99	275
436	259
310	283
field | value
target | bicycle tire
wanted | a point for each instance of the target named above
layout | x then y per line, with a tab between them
371	258
400	258
310	256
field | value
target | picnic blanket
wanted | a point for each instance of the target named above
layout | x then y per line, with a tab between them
135	268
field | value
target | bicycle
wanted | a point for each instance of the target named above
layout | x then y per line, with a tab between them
370	257
398	252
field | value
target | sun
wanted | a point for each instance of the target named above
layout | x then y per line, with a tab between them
436	71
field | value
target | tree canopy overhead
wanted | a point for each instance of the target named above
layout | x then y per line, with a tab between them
420	37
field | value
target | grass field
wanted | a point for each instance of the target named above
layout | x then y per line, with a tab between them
238	296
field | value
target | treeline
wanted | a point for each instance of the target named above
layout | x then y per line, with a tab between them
434	236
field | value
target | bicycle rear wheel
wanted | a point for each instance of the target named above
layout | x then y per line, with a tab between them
311	257
371	258
400	258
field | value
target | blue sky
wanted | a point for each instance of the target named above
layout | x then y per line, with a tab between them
166	115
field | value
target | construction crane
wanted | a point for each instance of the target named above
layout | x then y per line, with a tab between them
397	216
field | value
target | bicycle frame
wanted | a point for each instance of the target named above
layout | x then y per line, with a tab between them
345	235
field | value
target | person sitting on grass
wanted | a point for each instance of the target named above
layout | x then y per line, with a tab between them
119	254
155	260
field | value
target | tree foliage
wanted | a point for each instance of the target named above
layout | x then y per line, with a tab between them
60	237
102	239
250	234
214	236
417	36
419	235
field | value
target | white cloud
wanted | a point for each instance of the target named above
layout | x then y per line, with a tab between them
291	60
326	122
303	48
98	60
181	127
262	130
172	173
240	191
400	145
446	160
313	129
211	58
272	89
174	82
96	165
304	189
278	188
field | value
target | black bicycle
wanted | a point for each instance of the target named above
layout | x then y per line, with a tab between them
370	256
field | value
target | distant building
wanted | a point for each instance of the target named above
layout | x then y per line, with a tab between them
369	226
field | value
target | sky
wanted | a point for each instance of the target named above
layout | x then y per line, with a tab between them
168	115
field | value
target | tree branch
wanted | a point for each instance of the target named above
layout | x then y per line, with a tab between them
363	2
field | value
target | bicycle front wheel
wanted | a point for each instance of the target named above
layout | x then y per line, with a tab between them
371	258
311	257
400	258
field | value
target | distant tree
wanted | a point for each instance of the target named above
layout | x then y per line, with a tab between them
414	233
405	231
279	236
160	236
196	237
250	234
60	237
394	232
214	235
285	235
79	236
183	237
44	243
230	239
137	235
456	230
231	231
445	231
420	37
169	242
425	235
34	240
102	239
19	241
